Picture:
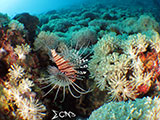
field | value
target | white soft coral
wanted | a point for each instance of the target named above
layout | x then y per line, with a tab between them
22	51
119	88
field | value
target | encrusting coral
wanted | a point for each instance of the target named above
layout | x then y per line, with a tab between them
140	109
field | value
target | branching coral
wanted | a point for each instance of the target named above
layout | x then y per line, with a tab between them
103	47
27	108
30	109
17	77
154	113
25	85
146	63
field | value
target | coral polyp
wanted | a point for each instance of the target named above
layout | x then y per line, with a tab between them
22	50
31	110
16	72
121	89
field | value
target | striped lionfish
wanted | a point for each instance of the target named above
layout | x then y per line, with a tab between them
69	67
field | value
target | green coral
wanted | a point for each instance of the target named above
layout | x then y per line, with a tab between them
140	109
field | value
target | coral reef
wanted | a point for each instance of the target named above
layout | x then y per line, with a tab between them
84	36
76	59
15	25
124	64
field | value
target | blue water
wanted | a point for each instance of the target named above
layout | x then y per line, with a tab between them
13	7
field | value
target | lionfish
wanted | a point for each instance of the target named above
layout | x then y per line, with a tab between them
70	66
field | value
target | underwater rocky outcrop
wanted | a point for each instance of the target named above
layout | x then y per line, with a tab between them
30	22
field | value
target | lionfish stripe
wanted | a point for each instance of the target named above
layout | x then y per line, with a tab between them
58	59
66	67
53	53
70	74
71	69
56	56
60	62
63	63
